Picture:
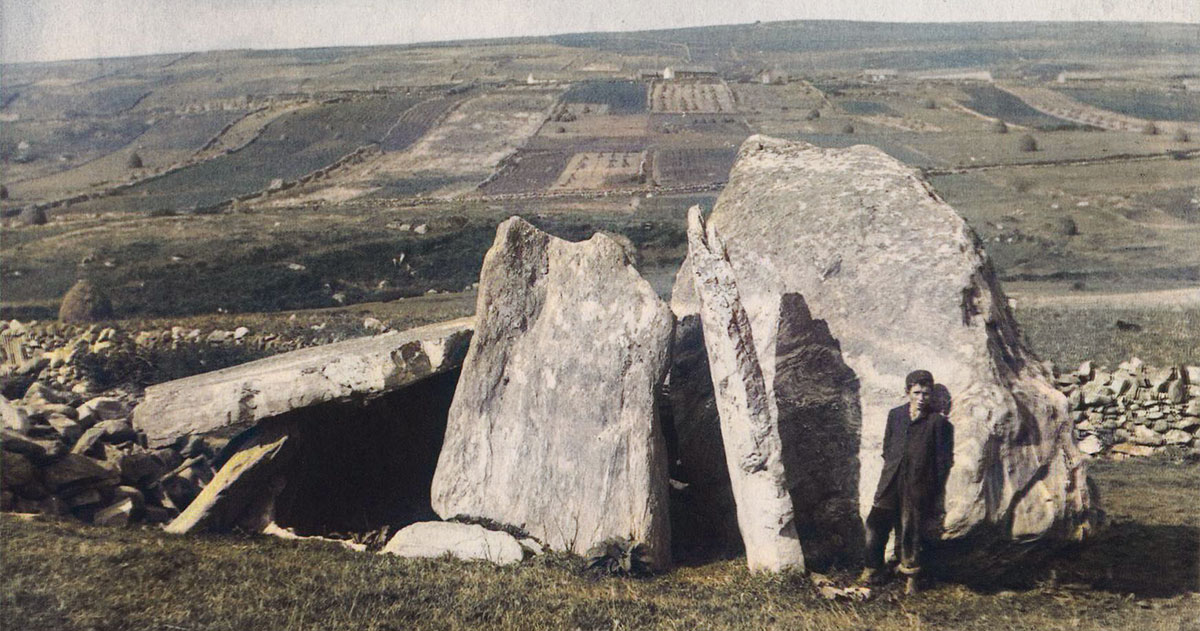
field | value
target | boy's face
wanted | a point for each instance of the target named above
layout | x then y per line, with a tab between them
919	398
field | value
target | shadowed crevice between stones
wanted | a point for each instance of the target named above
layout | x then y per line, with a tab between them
358	468
343	468
820	423
703	514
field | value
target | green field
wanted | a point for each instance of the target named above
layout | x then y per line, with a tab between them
622	97
996	103
1147	103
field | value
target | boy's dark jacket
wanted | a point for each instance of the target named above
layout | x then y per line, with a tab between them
925	468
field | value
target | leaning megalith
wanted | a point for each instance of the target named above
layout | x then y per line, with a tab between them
853	272
749	423
553	428
356	369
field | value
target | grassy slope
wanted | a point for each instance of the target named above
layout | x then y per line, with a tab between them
1070	335
1142	573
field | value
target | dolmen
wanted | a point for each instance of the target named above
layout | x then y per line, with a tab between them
330	438
577	408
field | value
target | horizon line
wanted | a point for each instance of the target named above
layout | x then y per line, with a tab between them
493	40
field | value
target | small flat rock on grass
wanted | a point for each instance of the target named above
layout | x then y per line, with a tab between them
359	368
1091	445
432	539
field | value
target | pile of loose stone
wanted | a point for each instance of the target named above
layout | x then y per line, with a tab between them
60	354
64	455
1134	410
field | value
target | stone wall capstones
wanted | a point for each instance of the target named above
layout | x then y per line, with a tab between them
553	428
899	282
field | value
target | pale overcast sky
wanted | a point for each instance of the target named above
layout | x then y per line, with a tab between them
39	30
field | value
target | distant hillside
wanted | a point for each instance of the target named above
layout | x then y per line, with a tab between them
914	46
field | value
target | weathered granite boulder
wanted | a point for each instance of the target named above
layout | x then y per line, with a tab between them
553	428
853	272
433	539
749	423
354	369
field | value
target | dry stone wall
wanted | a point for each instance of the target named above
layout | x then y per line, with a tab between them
1134	410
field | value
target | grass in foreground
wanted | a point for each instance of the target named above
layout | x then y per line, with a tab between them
1142	574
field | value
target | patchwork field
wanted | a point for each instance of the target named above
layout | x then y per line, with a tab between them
527	172
613	97
684	166
294	144
1062	105
594	125
464	148
993	102
709	126
164	143
32	149
502	125
704	97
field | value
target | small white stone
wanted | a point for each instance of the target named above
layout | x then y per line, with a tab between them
433	539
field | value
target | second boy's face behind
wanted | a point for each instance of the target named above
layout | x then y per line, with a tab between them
919	398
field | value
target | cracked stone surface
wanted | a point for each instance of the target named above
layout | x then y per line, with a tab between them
354	369
554	428
892	280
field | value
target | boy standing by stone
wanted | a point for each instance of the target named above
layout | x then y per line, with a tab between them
913	462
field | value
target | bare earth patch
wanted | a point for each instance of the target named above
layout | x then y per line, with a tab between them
600	170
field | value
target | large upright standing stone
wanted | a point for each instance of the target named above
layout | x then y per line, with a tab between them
853	272
749	421
553	428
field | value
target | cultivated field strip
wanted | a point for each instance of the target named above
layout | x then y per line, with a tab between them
601	170
1060	105
707	97
289	147
994	103
690	167
416	121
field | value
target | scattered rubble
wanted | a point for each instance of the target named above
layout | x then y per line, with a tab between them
65	455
